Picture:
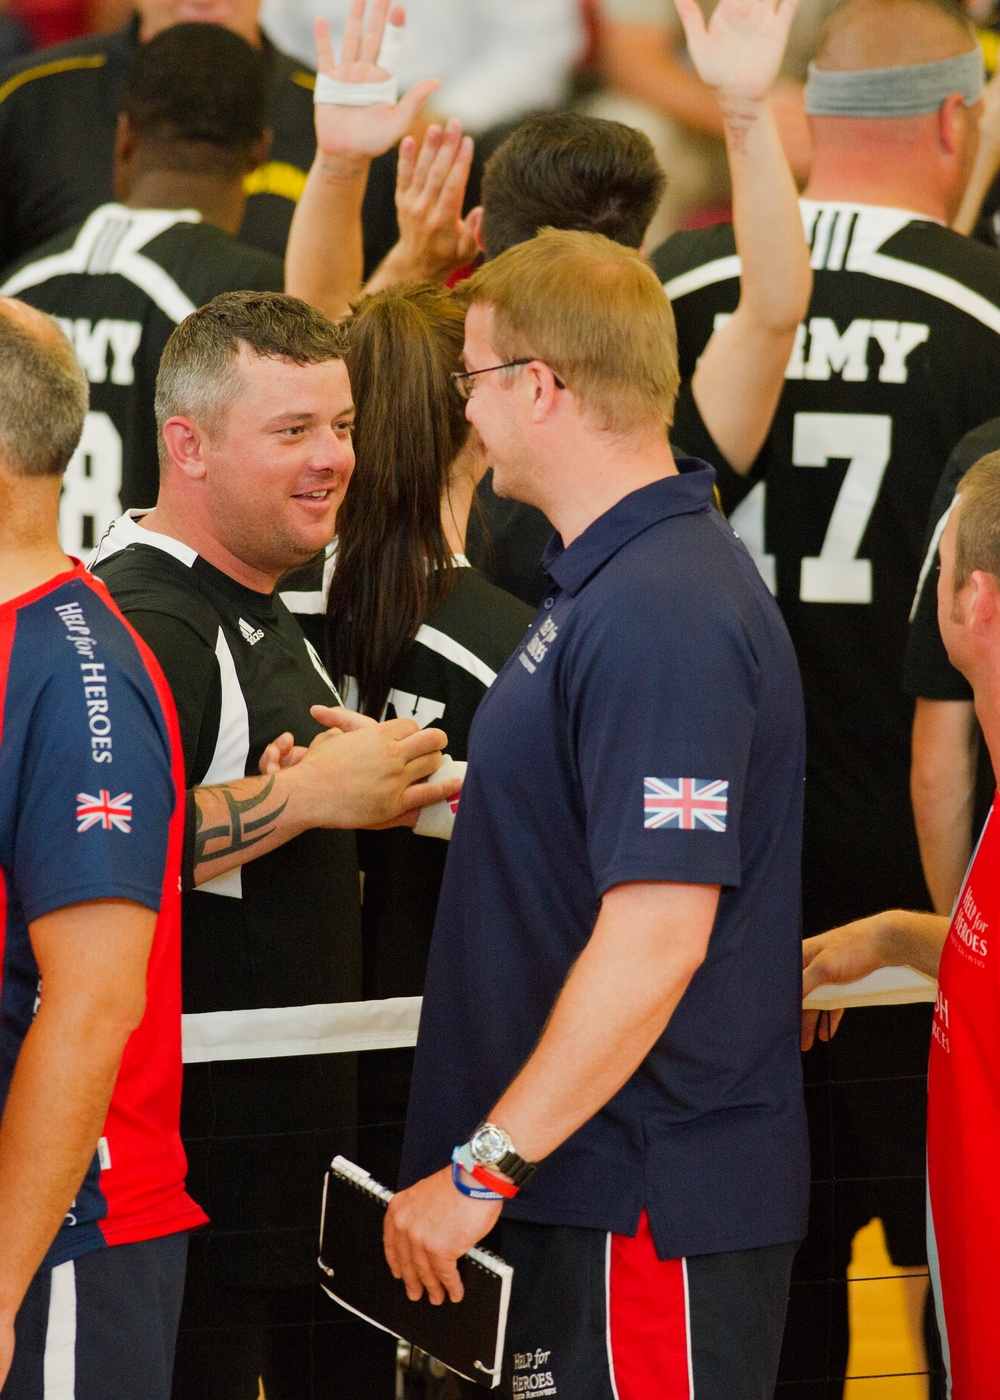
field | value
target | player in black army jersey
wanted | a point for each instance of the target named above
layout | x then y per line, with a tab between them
192	125
898	357
255	416
59	110
951	781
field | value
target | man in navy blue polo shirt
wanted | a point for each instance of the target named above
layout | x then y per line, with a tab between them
614	983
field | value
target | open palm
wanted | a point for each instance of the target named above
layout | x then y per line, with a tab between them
740	50
372	130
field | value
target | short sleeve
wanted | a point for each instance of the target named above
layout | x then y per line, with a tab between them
663	746
96	793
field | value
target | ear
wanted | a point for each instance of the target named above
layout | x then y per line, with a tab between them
185	443
261	149
474	223
545	394
983	605
125	144
952	120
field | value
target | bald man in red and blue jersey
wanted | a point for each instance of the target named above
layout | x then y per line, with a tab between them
92	1199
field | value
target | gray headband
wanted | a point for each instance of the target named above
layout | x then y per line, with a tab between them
908	91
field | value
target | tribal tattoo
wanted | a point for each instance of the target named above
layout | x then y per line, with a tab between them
236	833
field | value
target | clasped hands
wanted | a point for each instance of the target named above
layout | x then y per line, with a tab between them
360	773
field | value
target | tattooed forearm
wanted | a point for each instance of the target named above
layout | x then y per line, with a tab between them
739	121
236	833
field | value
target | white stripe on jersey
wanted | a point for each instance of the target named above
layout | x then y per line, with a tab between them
454	652
932	549
109	242
232	749
847	237
59	1362
306	602
312	602
721	270
389	1023
126	530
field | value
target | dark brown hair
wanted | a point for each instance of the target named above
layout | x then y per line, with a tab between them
563	170
394	566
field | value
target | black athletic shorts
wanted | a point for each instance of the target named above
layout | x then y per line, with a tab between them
599	1316
101	1327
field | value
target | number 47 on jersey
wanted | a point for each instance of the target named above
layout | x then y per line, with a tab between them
836	574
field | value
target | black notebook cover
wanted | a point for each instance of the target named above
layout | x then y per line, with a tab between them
467	1336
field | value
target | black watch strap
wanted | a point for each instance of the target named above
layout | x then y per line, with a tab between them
519	1171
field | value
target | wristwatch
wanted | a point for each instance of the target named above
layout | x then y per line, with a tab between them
491	1147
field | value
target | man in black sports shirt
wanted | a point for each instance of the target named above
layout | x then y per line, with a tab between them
59	109
254	409
898	357
192	127
951	780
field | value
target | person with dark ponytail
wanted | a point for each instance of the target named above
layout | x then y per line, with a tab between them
411	629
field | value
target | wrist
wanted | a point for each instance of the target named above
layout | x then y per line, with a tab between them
741	104
336	167
740	115
490	1148
302	809
404	265
892	946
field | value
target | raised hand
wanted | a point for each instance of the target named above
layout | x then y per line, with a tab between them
430	190
739	52
344	131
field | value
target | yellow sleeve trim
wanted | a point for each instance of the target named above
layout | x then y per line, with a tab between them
44	70
989	42
276	177
304	79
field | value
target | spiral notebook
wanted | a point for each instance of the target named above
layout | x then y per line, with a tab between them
468	1337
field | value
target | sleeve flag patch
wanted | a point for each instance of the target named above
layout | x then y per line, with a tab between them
104	811
685	804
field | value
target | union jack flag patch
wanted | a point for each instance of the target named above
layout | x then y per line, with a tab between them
685	804
105	810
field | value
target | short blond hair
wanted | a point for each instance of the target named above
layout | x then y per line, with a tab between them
595	312
977	539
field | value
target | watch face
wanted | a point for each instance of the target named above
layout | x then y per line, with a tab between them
487	1144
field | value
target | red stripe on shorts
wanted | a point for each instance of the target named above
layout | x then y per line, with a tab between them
647	1320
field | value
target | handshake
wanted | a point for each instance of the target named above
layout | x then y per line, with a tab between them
359	773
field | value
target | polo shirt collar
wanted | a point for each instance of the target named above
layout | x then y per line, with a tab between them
689	492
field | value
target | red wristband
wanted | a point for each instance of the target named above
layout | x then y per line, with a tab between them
499	1184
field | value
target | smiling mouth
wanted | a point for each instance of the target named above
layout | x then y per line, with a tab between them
322	495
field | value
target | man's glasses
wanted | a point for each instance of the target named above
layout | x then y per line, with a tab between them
463	388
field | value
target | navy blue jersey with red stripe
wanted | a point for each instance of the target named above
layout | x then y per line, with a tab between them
90	772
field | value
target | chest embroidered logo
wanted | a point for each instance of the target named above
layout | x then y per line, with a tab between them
251	634
535	650
685	804
104	810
